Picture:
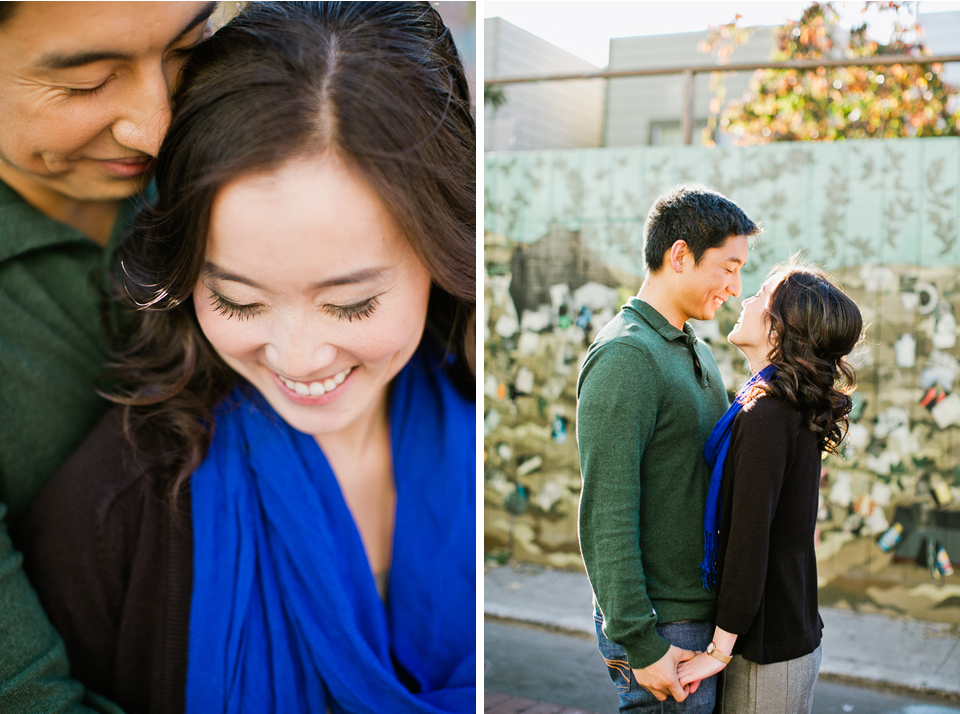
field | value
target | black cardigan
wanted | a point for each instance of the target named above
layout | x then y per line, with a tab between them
114	570
767	564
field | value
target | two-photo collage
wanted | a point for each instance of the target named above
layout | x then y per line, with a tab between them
510	356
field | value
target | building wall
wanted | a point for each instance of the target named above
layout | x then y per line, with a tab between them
554	115
941	34
881	215
646	110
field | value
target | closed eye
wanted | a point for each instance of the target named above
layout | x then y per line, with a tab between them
231	309
358	310
74	92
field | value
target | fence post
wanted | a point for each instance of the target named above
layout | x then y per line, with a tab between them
686	120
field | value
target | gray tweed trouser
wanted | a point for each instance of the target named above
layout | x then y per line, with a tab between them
779	688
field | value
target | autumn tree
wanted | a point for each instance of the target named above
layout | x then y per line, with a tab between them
852	102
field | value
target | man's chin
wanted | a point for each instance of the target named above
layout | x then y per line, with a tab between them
111	188
87	188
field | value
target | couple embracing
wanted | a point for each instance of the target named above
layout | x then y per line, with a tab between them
262	521
697	517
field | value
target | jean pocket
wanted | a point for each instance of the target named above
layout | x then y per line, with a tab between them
616	658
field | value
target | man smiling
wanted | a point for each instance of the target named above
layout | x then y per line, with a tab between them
648	396
84	104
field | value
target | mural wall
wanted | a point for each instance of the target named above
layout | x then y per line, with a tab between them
564	251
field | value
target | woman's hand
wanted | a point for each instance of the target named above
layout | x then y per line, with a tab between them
700	667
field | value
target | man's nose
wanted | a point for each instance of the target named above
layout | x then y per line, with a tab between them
736	284
145	117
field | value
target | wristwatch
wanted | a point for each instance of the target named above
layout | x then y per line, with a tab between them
717	654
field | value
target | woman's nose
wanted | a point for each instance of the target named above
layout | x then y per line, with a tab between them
300	359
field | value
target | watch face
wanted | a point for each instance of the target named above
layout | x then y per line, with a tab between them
710	648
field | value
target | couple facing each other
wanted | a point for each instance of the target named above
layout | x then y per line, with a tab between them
280	513
697	517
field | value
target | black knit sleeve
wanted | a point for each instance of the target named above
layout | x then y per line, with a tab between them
77	540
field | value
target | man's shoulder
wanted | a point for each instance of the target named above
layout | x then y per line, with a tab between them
619	361
625	333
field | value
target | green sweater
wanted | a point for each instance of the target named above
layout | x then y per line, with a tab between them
52	349
645	409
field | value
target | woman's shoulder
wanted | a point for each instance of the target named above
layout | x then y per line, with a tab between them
764	410
105	479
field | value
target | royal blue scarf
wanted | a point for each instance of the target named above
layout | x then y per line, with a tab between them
285	615
718	443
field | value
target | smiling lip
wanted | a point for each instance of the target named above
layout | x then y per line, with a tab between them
127	167
328	396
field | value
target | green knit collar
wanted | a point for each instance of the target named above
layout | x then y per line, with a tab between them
658	322
24	229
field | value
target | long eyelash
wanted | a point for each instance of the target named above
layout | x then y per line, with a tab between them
358	311
86	92
231	309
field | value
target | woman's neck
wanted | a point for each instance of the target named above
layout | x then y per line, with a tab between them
352	442
362	462
757	359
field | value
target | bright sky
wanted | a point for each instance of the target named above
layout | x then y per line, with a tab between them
585	28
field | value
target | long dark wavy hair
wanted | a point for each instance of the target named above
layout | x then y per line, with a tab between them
380	84
814	325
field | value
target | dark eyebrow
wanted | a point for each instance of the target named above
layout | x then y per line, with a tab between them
205	12
61	60
732	259
212	270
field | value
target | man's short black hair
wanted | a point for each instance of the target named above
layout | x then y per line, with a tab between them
702	218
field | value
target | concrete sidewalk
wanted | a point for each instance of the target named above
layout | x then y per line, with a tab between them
870	649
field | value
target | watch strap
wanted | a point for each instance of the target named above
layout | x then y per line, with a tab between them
717	654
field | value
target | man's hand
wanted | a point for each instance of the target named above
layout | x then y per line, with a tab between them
699	668
660	678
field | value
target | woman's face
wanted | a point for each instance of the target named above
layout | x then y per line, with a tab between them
312	292
752	331
85	93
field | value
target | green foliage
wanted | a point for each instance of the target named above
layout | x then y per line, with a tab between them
494	96
855	102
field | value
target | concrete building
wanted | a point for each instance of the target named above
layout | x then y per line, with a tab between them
637	111
645	111
553	115
941	34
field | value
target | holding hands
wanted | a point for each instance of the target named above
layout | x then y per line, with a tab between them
697	668
662	678
706	664
679	672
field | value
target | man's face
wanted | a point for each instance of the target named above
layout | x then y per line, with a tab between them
85	93
705	286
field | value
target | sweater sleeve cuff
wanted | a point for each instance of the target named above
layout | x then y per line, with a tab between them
644	651
732	624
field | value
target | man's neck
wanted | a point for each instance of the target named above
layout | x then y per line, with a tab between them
658	295
95	219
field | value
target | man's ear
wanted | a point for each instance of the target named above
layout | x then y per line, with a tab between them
678	252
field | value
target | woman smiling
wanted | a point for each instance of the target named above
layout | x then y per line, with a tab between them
282	515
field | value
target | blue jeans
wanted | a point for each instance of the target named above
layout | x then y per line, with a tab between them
689	635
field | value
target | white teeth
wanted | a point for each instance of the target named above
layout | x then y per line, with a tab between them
315	389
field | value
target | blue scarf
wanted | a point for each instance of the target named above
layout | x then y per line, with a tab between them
285	615
718	443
